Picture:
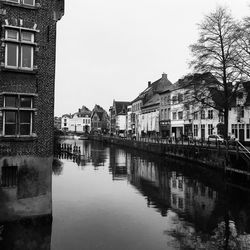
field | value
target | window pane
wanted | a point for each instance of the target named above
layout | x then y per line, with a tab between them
12	34
26	56
10	129
11	55
27	36
26	102
25	129
25	116
10	117
29	2
10	101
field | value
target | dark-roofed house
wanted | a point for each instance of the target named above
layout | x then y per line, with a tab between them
99	120
118	114
190	118
147	102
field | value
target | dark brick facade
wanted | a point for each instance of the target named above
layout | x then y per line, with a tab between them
39	82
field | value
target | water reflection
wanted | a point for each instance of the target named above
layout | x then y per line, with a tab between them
111	198
202	212
28	234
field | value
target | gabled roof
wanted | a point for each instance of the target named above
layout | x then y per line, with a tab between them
197	79
218	97
67	115
158	86
154	100
121	107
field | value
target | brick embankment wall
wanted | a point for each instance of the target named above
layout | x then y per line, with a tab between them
216	158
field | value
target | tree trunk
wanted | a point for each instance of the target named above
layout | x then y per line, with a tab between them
226	121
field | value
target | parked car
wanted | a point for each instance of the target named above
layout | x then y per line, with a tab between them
216	138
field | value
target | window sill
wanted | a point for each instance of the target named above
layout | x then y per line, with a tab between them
18	139
25	6
18	70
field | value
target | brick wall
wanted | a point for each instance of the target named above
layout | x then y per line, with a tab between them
40	81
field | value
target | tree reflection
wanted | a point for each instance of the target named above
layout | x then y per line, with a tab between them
57	167
187	238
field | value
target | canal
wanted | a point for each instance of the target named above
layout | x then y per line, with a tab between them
112	198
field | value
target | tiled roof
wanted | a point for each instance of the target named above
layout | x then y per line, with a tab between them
121	107
158	86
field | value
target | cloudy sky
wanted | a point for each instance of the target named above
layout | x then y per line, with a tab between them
110	49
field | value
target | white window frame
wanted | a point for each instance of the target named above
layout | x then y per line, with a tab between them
34	2
21	59
17	111
22	2
6	56
19	43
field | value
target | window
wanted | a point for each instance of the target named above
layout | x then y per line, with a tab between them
17	115
180	203
195	115
19	49
242	112
9	176
174	183
180	97
174	116
174	99
180	115
210	114
174	199
248	131
180	184
210	129
221	117
195	130
203	131
235	130
25	2
203	114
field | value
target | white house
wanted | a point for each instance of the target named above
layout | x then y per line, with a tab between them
79	122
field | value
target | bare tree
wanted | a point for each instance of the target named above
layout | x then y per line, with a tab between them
216	51
243	58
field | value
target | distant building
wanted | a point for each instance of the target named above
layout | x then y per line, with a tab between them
118	113
99	120
79	122
145	107
57	122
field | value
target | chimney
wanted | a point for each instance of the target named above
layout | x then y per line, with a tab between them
164	76
79	110
149	84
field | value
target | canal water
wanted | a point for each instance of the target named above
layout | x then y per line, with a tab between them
111	198
115	198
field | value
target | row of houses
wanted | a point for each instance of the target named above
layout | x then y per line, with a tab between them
84	121
172	110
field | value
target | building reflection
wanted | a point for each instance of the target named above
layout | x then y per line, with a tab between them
119	160
98	154
165	189
83	152
26	234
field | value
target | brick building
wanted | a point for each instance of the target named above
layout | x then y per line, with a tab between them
27	75
99	120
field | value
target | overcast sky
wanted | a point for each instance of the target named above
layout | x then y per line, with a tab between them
110	49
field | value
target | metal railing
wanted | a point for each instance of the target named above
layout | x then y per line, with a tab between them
243	150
